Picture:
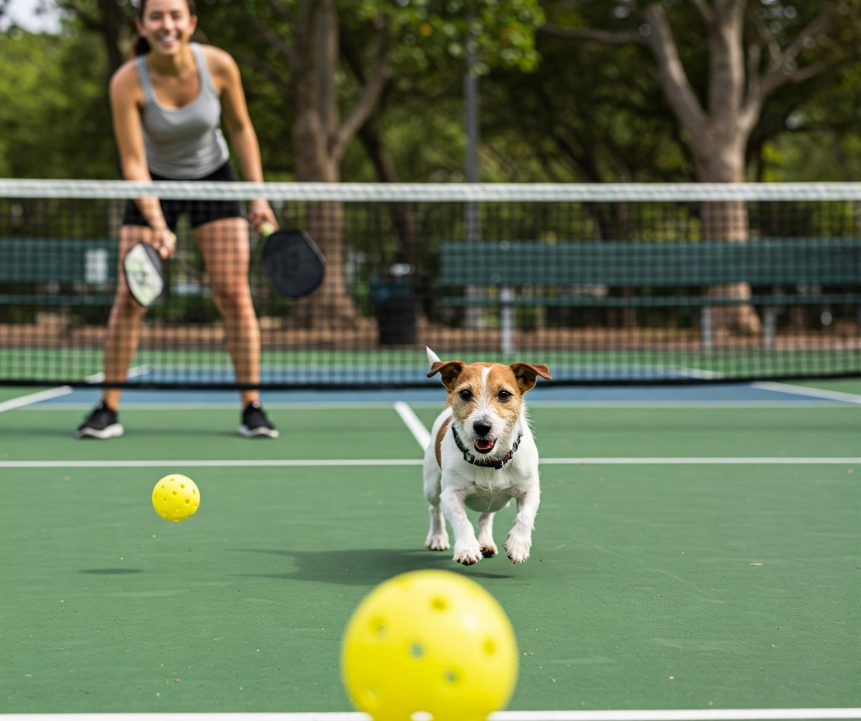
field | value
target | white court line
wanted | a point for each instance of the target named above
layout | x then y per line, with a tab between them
706	461
809	392
763	714
224	463
324	405
31	398
415	426
60	391
356	462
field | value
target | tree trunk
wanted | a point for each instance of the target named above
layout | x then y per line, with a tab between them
330	307
727	222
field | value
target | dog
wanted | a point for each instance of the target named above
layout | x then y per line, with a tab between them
482	455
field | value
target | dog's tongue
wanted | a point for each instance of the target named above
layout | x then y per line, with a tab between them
484	445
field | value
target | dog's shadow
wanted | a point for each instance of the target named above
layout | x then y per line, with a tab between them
362	566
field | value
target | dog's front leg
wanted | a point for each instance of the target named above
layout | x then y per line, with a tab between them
437	538
466	547
485	535
519	541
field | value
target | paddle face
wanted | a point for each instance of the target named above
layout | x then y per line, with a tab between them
293	263
144	273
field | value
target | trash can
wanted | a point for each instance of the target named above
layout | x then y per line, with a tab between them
394	302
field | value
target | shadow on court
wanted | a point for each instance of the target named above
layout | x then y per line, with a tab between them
362	566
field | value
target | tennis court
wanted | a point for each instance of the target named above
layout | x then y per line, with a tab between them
696	551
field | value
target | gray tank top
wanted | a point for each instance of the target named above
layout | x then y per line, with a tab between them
183	143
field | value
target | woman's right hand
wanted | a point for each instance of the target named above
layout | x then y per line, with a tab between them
163	240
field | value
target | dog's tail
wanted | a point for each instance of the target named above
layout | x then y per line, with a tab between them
432	357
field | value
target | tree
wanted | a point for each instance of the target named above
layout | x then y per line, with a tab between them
110	19
305	55
50	131
753	48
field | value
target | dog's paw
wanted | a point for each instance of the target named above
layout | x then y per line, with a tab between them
468	553
489	550
517	548
437	542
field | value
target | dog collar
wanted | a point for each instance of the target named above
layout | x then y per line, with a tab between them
496	463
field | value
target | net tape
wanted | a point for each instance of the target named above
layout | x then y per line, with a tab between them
434	192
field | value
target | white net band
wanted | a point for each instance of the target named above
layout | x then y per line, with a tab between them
434	192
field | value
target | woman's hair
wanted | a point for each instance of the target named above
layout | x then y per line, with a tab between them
141	46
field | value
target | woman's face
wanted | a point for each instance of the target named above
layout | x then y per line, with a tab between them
167	25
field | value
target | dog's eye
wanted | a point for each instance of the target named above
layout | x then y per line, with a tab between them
466	394
504	395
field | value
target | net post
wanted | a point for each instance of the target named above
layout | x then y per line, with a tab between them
707	329
506	320
769	328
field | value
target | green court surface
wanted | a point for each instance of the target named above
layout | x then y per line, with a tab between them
683	558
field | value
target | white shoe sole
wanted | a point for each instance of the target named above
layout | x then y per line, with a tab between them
114	431
257	432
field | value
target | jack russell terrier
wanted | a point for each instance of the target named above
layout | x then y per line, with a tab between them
482	455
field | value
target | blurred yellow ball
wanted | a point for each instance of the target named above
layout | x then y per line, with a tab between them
429	644
175	497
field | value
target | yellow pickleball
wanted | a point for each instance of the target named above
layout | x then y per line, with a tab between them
175	497
429	644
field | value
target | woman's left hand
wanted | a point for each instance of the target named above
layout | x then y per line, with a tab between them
260	215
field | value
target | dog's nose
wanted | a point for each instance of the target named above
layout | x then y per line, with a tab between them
481	428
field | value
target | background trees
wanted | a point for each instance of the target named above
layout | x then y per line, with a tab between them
591	90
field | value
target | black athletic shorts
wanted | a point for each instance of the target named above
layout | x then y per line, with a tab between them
198	211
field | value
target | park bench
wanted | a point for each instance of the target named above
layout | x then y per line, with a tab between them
55	272
781	272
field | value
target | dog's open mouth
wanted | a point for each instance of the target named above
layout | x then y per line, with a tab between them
484	445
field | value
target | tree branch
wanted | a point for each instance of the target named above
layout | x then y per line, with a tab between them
254	61
91	22
371	92
600	36
284	50
677	87
778	73
705	11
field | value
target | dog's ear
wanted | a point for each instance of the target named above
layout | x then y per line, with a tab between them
449	371
527	374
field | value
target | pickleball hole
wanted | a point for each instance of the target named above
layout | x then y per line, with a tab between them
489	647
417	650
378	626
438	603
450	676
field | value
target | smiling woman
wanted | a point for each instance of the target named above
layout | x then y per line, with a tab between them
167	105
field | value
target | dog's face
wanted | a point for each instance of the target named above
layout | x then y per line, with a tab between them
487	398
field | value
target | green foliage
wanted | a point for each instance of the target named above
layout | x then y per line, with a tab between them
53	108
503	31
552	108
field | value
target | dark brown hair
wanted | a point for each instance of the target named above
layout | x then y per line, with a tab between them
141	46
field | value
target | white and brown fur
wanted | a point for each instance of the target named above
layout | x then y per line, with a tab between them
486	409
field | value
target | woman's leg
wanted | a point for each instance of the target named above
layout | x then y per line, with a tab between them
225	247
124	325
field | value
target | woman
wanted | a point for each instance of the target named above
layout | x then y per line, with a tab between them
167	105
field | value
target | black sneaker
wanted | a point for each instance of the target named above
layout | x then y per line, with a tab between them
102	423
255	423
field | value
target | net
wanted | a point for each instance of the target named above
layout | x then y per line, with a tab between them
607	284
